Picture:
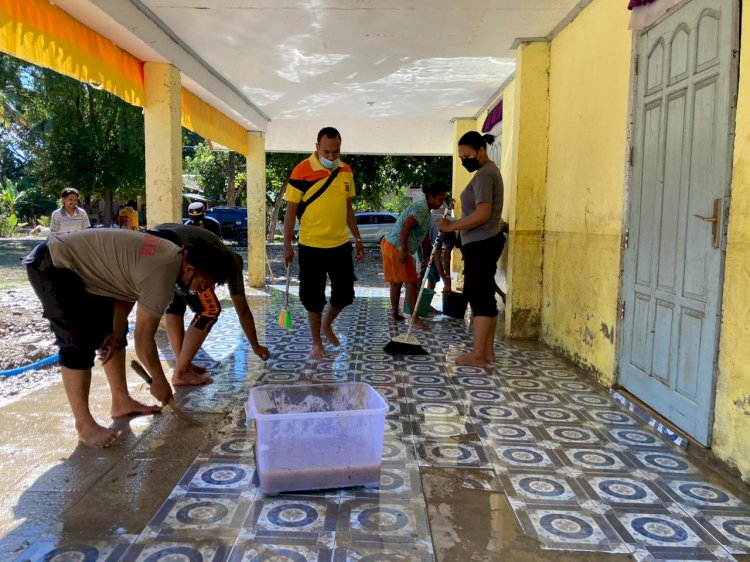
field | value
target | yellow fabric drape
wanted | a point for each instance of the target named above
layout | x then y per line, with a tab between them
211	124
43	34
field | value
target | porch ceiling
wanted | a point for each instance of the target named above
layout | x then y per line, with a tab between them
390	74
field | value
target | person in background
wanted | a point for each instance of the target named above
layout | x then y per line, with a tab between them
409	233
482	241
324	247
128	216
197	217
69	217
205	305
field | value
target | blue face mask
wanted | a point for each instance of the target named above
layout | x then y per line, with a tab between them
329	164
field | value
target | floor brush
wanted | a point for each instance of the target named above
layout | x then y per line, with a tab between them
406	344
285	317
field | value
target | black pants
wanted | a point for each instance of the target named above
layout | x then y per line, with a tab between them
317	263
80	320
480	264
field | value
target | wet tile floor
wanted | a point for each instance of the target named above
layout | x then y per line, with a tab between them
580	472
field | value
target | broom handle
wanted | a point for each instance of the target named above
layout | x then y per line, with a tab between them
415	312
286	302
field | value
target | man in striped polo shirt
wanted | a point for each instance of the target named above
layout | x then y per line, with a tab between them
324	247
69	217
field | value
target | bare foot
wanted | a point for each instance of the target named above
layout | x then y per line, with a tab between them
96	436
396	317
317	351
471	360
197	368
419	323
490	358
330	336
190	379
129	407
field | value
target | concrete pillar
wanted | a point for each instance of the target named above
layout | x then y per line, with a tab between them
461	178
163	139
256	209
528	191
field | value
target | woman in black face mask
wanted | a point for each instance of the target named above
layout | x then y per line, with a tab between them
479	225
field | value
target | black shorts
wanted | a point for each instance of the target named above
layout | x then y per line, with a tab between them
480	264
317	263
80	320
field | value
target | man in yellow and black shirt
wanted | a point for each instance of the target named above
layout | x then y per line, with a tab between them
324	247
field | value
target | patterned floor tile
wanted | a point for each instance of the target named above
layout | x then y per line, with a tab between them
383	523
655	528
663	461
570	529
448	453
194	515
292	517
624	491
397	480
394	554
542	488
219	477
258	550
399	450
443	427
524	457
595	459
158	550
442	410
732	531
51	549
505	433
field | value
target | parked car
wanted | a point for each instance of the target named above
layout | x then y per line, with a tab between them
233	222
374	225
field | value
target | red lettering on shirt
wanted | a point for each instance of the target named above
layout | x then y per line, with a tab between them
150	243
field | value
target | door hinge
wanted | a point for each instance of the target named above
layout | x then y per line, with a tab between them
636	65
626	239
630	155
622	310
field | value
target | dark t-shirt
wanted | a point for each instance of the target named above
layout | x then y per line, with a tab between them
185	234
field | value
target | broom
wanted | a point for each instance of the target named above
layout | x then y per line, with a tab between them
285	317
407	344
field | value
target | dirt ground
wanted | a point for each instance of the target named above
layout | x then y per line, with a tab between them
25	336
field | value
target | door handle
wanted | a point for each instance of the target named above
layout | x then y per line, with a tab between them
714	220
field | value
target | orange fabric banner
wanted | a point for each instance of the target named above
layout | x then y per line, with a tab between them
43	34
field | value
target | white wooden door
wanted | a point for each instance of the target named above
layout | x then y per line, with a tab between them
684	112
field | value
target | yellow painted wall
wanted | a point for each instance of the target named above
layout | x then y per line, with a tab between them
589	86
527	189
732	416
507	163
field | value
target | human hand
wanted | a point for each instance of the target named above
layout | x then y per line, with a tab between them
107	349
262	352
403	255
288	252
445	225
359	248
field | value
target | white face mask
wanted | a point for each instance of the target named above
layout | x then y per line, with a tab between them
329	164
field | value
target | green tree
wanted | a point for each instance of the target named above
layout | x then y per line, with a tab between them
82	137
8	218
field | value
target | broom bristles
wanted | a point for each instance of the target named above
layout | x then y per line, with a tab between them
404	345
285	319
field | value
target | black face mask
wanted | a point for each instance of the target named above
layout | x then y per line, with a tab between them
471	164
185	291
